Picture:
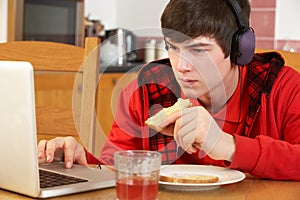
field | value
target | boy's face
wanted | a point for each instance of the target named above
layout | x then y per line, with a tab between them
199	67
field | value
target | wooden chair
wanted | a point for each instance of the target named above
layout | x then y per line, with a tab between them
66	79
292	59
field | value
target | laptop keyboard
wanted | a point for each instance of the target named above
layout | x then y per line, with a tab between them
52	179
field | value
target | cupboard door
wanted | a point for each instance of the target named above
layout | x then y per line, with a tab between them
109	88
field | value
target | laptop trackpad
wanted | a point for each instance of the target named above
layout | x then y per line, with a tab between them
92	174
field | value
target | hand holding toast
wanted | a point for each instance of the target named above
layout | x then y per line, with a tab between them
194	127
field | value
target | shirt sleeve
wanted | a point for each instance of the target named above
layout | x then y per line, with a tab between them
273	150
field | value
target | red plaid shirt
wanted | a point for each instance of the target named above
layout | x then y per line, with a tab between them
157	88
267	136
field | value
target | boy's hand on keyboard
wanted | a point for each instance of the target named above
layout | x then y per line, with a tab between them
66	149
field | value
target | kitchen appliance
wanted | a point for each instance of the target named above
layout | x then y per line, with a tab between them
125	41
52	20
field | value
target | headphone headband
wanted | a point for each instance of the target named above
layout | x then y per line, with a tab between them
237	11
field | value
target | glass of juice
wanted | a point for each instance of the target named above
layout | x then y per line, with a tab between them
137	174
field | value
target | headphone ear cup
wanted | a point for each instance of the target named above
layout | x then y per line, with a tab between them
243	46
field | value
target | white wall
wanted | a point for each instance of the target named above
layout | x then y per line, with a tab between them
3	20
104	10
287	20
143	16
136	15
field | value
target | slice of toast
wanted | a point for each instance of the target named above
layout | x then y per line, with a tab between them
155	120
189	178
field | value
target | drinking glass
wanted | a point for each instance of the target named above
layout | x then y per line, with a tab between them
137	174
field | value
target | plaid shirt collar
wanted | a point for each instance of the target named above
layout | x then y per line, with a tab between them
262	73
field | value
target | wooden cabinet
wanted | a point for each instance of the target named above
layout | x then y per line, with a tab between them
109	87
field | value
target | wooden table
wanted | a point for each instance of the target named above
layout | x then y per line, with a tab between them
249	189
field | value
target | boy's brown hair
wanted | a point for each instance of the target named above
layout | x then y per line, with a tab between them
209	18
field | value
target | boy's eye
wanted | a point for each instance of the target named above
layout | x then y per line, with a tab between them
198	50
168	47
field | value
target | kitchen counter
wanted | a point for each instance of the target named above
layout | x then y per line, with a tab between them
132	66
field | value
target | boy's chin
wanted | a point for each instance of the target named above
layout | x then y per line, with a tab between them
190	93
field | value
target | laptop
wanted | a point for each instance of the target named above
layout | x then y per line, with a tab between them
20	170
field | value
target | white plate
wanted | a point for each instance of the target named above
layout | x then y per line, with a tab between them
226	176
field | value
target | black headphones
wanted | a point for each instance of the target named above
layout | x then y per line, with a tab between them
243	40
